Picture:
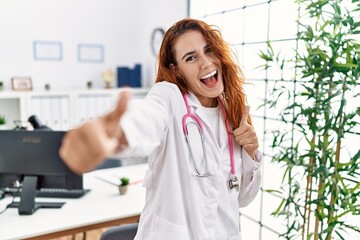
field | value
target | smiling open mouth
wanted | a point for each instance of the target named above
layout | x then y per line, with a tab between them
209	79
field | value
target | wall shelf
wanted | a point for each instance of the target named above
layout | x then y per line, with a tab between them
60	110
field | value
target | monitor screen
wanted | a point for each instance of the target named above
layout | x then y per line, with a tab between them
30	159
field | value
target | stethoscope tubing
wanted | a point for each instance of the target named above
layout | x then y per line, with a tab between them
201	130
196	171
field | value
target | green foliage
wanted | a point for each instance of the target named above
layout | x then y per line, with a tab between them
124	181
321	185
2	120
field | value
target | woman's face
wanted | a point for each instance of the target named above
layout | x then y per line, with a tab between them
199	67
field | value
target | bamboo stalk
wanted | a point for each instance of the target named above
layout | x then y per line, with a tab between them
305	207
310	198
308	193
320	190
316	229
335	192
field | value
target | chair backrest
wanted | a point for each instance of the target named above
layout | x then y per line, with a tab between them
122	232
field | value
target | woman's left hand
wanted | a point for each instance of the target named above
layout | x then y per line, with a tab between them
245	134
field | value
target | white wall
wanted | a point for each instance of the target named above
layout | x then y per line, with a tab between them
122	27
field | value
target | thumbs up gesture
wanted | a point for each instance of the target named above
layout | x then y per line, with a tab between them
85	147
245	134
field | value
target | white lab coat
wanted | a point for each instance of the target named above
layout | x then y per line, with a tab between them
179	205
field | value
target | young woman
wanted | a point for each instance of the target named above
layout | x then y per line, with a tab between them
196	131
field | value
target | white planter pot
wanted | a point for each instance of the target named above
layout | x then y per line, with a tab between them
123	190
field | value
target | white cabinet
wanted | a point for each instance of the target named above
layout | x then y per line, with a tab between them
53	109
60	110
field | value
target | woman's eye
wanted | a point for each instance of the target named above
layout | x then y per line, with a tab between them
208	50
190	58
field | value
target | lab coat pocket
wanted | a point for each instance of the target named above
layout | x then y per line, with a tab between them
163	229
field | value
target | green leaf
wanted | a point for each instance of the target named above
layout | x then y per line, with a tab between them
277	211
272	191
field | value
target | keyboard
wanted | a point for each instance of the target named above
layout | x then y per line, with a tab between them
51	192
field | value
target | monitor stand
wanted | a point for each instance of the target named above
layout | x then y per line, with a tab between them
27	204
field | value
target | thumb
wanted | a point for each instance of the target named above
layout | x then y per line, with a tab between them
114	116
245	116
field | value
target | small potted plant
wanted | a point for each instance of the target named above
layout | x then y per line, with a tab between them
2	122
89	84
124	182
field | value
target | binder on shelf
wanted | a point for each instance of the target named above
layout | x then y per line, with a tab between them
56	113
47	111
127	77
103	104
35	107
90	106
65	112
82	110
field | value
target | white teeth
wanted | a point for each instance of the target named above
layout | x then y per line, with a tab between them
209	75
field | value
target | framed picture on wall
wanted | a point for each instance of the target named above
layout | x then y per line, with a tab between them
21	83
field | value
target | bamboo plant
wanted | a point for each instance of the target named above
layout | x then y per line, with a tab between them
321	178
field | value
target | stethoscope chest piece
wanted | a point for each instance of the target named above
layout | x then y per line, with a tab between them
234	183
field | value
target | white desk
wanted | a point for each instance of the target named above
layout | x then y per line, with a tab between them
103	206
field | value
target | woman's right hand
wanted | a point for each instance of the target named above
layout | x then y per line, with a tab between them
87	146
245	134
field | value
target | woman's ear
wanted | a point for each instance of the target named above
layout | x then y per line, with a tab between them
173	68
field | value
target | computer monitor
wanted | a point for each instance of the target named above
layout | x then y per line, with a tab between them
30	159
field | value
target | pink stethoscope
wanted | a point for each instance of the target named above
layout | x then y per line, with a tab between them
233	182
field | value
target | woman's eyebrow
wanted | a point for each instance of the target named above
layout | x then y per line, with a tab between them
192	52
187	54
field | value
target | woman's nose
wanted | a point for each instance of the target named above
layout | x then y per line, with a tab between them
205	62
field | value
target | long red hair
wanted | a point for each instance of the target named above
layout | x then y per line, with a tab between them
234	97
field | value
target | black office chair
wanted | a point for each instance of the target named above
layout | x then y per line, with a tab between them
122	232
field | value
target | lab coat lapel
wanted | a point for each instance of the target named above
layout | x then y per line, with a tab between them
194	104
